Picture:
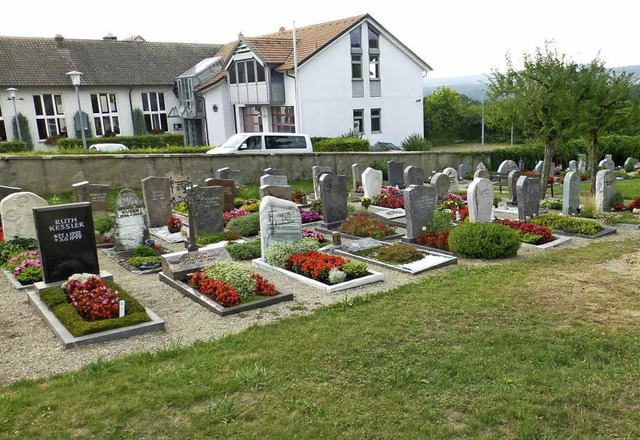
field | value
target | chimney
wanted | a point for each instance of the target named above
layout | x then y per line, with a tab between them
59	39
110	37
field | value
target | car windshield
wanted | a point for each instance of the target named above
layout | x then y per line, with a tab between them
233	141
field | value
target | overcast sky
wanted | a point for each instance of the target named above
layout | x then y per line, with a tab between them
463	37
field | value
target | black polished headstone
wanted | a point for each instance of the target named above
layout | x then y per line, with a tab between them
67	240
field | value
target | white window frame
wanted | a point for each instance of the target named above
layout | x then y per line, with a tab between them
107	113
54	121
155	119
376	114
358	120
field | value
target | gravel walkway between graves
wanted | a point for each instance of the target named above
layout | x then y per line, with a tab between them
29	349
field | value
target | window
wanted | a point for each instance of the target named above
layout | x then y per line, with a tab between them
358	121
373	39
249	71
155	112
252	119
356	37
374	67
105	113
375	120
3	131
356	66
283	119
275	142
49	116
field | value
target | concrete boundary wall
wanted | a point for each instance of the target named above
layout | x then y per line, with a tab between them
55	174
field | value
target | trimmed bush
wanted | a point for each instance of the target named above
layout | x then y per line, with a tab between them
245	251
279	252
13	147
246	226
133	142
340	144
234	274
484	240
416	142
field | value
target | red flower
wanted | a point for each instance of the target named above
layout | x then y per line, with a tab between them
220	291
314	264
262	286
93	299
528	228
439	240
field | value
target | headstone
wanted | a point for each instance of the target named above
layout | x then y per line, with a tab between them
371	182
607	163
462	170
81	191
480	200
395	173
521	165
279	191
67	241
99	197
571	191
512	182
361	245
507	166
228	173
356	176
279	222
481	172
413	176
131	223
629	165
275	171
179	184
605	190
316	171
582	163
6	190
442	183
419	205
16	211
333	192
205	209
528	190
573	165
538	167
452	174
178	265
229	187
156	192
273	179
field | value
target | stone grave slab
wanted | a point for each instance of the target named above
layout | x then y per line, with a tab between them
206	208
229	188
279	222
157	200
413	176
178	265
16	211
131	224
279	191
395	172
480	200
333	192
372	182
419	204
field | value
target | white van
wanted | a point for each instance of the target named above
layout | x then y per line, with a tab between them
265	143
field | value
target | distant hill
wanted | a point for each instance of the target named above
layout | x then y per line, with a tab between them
473	85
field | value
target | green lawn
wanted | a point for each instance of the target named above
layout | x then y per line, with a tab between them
478	351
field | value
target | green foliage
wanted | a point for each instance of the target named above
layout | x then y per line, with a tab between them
277	253
216	237
88	132
56	300
144	251
442	115
484	240
245	251
235	274
246	226
316	206
25	132
549	203
144	261
139	124
351	134
355	269
416	142
396	253
381	164
13	247
440	221
13	147
567	224
30	275
103	223
157	141
341	144
336	276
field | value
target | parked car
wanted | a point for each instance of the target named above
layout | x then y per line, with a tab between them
108	147
265	143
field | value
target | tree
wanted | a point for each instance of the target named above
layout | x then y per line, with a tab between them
539	99
442	115
25	133
139	125
604	105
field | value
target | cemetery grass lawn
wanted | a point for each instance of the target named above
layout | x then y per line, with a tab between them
481	350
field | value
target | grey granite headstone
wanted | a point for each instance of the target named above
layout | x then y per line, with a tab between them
528	190
16	211
273	179
507	166
462	170
206	208
607	163
605	190
419	205
6	190
573	165
356	176
452	174
481	172
629	165
395	173
571	192
371	182
582	163
99	197
81	191
316	171
512	182
179	184
413	176
229	187
275	171
538	167
67	241
178	265
279	222
229	174
156	192
441	182
333	192
279	191
480	200
131	223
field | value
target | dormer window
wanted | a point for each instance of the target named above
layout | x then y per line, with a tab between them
356	38
373	39
246	72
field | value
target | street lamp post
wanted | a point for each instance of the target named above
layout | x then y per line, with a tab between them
75	80
482	146
12	91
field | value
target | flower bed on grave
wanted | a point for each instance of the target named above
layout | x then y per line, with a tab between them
309	216
362	224
402	257
20	260
572	226
389	197
104	225
141	260
303	261
539	236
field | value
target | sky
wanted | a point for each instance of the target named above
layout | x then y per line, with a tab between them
456	38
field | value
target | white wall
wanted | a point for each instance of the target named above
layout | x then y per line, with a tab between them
220	124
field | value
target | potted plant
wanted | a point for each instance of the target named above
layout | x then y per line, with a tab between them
299	197
174	224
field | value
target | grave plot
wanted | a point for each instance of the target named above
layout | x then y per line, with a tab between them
143	259
402	257
364	225
209	277
572	226
532	235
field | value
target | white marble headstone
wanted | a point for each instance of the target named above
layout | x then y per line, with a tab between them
453	178
371	182
279	222
605	190
480	200
16	211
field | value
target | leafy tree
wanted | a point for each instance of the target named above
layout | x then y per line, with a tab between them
442	114
25	133
139	125
539	99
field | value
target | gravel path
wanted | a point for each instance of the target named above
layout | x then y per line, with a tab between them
29	349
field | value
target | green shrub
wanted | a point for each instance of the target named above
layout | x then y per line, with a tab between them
336	276
484	240
440	221
133	142
235	274
341	144
13	247
316	206
550	203
144	251
277	253
416	142
245	251
396	253
25	132
567	224
13	147
30	275
103	223
144	261
216	237
246	226
355	269
139	124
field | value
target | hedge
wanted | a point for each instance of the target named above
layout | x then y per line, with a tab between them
13	147
340	144
133	142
